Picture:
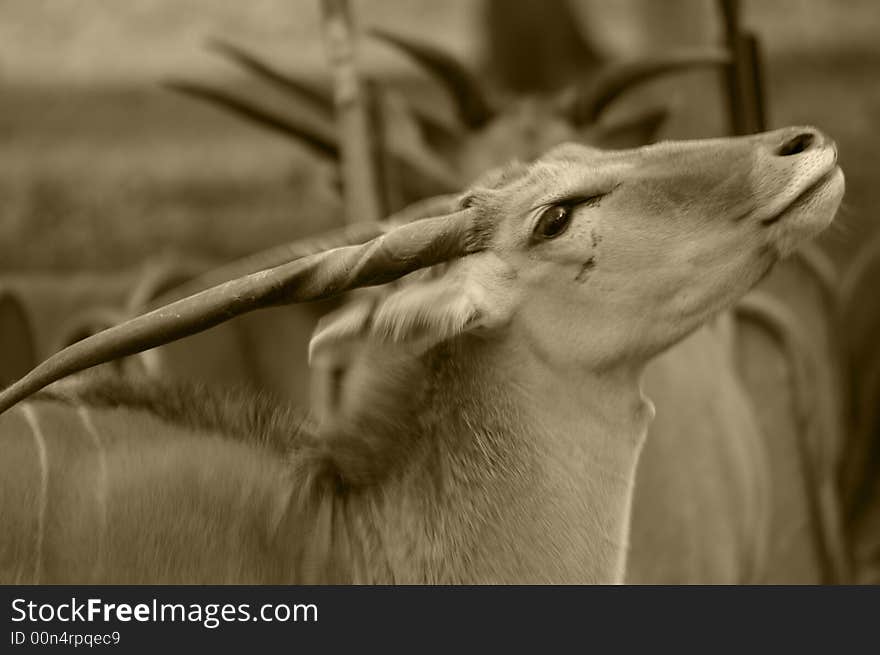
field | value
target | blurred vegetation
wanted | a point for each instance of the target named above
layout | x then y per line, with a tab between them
103	178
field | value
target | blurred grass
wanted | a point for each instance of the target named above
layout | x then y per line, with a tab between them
101	178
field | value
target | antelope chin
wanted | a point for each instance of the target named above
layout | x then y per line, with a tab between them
808	214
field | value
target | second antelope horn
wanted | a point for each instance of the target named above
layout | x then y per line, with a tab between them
391	256
472	105
598	93
321	141
319	99
161	276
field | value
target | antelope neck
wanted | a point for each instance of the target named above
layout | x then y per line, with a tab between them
525	472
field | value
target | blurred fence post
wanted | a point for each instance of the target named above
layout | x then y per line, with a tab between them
359	173
744	81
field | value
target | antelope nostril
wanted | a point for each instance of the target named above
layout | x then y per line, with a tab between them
796	144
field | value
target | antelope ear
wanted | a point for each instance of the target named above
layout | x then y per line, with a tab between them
342	326
473	293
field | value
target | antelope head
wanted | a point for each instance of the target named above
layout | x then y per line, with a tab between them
585	257
601	257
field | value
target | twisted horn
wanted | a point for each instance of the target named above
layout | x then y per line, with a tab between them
472	106
322	275
319	99
320	140
592	98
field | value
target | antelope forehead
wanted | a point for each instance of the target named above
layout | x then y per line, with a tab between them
501	177
509	196
573	152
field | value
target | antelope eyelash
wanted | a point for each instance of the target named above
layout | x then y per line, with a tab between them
575	201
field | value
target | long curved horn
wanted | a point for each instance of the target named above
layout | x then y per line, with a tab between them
391	256
472	105
594	96
320	140
319	99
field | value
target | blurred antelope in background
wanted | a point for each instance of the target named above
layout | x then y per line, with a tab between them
423	152
518	416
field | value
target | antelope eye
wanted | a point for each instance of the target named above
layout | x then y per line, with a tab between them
552	222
